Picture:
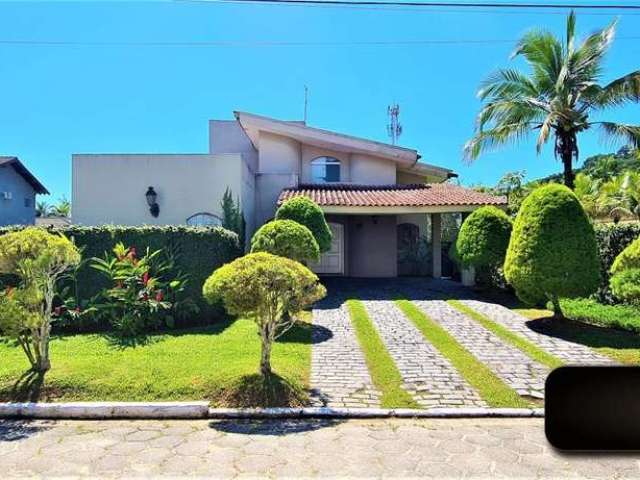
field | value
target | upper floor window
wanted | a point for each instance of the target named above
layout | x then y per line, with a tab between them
204	219
325	170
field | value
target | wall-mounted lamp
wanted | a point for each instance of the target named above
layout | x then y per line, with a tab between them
374	219
151	196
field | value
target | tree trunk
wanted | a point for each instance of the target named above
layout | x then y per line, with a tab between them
265	358
43	364
557	309
567	160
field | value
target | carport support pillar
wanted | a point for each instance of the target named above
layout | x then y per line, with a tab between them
436	244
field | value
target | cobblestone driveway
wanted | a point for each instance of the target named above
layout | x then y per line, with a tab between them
339	375
445	448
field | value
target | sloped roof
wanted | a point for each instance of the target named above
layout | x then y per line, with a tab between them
416	195
252	124
26	174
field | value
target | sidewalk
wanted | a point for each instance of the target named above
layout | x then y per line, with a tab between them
447	448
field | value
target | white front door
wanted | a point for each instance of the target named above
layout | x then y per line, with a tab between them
332	262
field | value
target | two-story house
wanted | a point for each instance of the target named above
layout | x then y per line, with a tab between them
374	195
18	189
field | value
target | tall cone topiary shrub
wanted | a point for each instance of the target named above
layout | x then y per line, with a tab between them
483	238
306	212
552	252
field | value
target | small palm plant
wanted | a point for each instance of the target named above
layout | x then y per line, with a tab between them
557	98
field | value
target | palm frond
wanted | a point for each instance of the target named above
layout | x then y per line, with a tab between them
490	139
507	83
622	90
545	130
619	132
510	111
544	53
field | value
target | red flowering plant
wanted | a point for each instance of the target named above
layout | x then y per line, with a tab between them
144	292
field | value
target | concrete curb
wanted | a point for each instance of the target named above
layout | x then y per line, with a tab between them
195	410
105	410
325	412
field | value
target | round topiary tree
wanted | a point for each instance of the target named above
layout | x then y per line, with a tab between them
483	238
264	287
38	259
625	279
552	252
306	212
286	238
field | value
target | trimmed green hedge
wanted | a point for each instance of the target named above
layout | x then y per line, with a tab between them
612	239
200	251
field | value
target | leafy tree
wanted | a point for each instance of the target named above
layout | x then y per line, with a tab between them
483	238
38	259
552	252
263	287
557	98
306	212
232	216
286	238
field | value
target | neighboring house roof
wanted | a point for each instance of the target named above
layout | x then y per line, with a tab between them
417	195
26	174
53	221
252	124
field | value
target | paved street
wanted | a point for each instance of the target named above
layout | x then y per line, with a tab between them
442	448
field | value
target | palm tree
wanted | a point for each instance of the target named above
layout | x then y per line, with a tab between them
62	208
42	209
556	98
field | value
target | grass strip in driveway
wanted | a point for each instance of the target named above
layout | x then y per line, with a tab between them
491	389
530	349
383	370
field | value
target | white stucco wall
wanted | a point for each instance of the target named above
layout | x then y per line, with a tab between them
278	154
228	136
369	170
110	188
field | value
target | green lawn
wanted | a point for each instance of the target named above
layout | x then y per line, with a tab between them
623	317
492	390
533	351
217	363
384	373
622	346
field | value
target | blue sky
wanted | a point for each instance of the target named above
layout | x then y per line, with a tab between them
59	100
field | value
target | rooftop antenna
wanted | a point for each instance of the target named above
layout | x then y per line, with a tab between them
394	129
306	102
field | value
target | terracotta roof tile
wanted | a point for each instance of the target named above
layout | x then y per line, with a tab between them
416	195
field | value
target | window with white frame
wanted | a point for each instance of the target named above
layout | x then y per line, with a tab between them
325	170
204	219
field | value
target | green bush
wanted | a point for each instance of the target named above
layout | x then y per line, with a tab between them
146	291
306	212
197	252
625	285
483	238
552	252
264	287
286	238
629	258
612	239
